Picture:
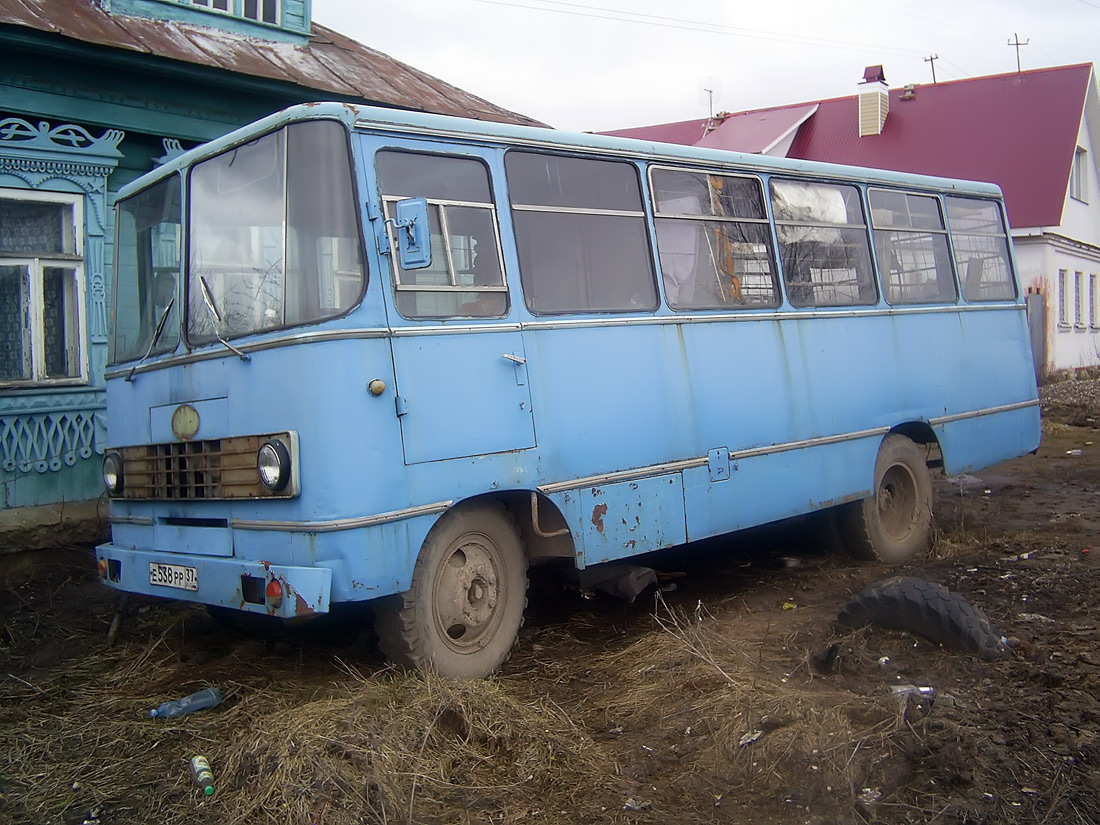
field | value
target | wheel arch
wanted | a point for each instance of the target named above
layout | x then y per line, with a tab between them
542	525
921	432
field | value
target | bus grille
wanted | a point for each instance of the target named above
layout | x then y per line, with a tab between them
220	468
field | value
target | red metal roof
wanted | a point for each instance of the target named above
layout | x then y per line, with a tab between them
756	131
1017	130
328	63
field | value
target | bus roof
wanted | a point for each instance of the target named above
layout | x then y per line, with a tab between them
444	126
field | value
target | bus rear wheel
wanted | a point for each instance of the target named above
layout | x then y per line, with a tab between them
895	522
464	610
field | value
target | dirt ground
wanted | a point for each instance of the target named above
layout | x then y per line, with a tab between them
734	698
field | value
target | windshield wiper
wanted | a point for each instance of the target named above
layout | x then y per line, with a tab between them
156	337
208	299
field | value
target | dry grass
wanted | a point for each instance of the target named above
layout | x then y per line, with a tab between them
386	748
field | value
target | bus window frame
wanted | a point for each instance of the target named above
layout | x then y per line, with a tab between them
766	221
861	192
387	201
1005	234
192	344
945	231
645	213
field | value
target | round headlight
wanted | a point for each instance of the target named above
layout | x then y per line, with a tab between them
112	473
273	465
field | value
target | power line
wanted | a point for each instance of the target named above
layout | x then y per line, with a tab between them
659	21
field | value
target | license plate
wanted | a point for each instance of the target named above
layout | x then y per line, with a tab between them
174	575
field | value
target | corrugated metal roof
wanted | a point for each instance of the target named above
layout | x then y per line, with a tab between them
329	62
1016	130
758	131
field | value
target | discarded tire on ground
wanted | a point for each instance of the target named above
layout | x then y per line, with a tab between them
928	610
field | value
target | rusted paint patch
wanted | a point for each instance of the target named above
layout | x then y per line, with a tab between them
301	606
598	512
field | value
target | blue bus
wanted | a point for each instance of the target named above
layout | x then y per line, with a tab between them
371	355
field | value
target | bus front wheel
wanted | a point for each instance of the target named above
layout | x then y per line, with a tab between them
895	522
464	610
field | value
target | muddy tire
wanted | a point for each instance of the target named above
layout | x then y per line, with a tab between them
928	610
464	610
895	522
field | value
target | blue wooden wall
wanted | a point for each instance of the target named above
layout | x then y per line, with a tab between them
75	119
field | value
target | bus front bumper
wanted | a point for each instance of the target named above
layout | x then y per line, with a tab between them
256	587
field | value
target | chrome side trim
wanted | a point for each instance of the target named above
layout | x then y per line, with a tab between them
340	524
454	329
623	475
256	346
808	442
687	464
947	419
140	521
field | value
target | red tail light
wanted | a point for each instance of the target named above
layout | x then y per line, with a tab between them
274	593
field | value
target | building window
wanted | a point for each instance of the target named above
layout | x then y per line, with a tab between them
41	287
1094	302
217	5
1078	178
266	11
1063	298
1079	300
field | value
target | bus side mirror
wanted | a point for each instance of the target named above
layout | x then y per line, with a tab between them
414	245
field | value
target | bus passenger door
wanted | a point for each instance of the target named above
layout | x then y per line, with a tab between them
459	362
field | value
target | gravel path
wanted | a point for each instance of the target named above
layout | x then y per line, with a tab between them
1072	402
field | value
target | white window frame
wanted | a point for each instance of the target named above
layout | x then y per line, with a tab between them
1079	300
36	265
208	5
1063	299
260	12
1078	176
1094	301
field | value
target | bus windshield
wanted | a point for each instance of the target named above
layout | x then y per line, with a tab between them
274	234
273	241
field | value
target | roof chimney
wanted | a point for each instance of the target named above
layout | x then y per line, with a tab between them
874	101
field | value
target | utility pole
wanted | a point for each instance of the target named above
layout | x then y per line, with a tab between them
932	59
1017	44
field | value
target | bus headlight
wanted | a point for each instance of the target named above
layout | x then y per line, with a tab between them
112	473
273	465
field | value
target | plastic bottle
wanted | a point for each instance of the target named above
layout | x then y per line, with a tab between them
200	700
203	776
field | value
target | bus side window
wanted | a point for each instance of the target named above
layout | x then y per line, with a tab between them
713	240
465	277
981	249
911	244
823	244
580	233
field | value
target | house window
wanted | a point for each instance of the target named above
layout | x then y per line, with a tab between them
1078	178
1063	298
1079	300
217	5
1094	302
266	11
41	287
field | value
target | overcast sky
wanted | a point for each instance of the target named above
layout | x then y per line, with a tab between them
608	64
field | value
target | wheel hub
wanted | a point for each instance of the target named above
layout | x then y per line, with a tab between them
897	502
467	594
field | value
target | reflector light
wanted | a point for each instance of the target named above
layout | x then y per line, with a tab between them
274	593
